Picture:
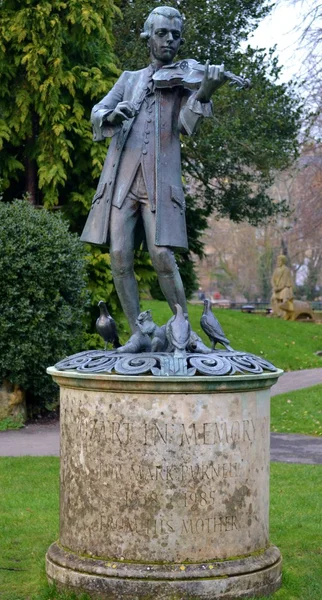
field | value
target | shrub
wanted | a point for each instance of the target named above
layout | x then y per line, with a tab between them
42	297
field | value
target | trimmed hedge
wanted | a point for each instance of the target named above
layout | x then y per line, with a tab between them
42	297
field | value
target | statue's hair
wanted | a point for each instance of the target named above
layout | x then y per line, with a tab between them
165	11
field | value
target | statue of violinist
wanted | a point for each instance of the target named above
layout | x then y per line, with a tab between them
140	195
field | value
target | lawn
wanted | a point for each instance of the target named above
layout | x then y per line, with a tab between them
298	412
289	345
29	520
29	524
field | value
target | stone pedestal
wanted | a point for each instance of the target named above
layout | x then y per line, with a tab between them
165	487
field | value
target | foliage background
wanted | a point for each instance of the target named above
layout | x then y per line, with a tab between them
58	59
43	297
230	165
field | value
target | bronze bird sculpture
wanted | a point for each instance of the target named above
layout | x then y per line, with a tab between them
106	327
211	326
178	331
159	342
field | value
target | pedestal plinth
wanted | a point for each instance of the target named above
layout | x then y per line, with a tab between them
165	487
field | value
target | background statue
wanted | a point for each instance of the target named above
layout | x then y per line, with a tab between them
282	284
140	196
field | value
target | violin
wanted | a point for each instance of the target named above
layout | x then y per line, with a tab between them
189	74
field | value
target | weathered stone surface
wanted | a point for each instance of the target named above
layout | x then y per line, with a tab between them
111	580
165	473
12	401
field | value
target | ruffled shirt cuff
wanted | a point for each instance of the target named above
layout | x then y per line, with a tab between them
102	128
205	109
192	113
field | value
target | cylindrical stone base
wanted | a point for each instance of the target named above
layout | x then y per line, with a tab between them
164	487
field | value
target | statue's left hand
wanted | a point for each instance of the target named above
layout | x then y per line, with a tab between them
214	77
122	112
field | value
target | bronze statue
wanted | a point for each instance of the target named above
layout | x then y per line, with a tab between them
282	285
140	196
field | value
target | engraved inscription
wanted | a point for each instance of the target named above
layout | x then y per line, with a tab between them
201	498
193	500
191	526
124	433
210	525
165	478
138	499
198	434
188	473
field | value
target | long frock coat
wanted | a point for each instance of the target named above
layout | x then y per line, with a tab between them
150	139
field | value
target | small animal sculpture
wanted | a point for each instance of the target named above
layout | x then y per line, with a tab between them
211	326
159	342
138	342
297	310
178	331
106	327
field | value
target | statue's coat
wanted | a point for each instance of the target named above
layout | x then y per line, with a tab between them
152	139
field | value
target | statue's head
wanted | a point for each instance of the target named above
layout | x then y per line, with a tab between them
281	260
163	32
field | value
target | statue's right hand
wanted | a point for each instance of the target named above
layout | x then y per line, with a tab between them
122	112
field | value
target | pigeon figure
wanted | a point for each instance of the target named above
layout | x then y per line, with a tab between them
178	331
106	326
211	326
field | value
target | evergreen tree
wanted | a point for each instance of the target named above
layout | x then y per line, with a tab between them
56	59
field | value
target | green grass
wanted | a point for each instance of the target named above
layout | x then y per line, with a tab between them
289	345
29	524
296	528
29	519
298	412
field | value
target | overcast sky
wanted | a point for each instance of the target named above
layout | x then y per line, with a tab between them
283	27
